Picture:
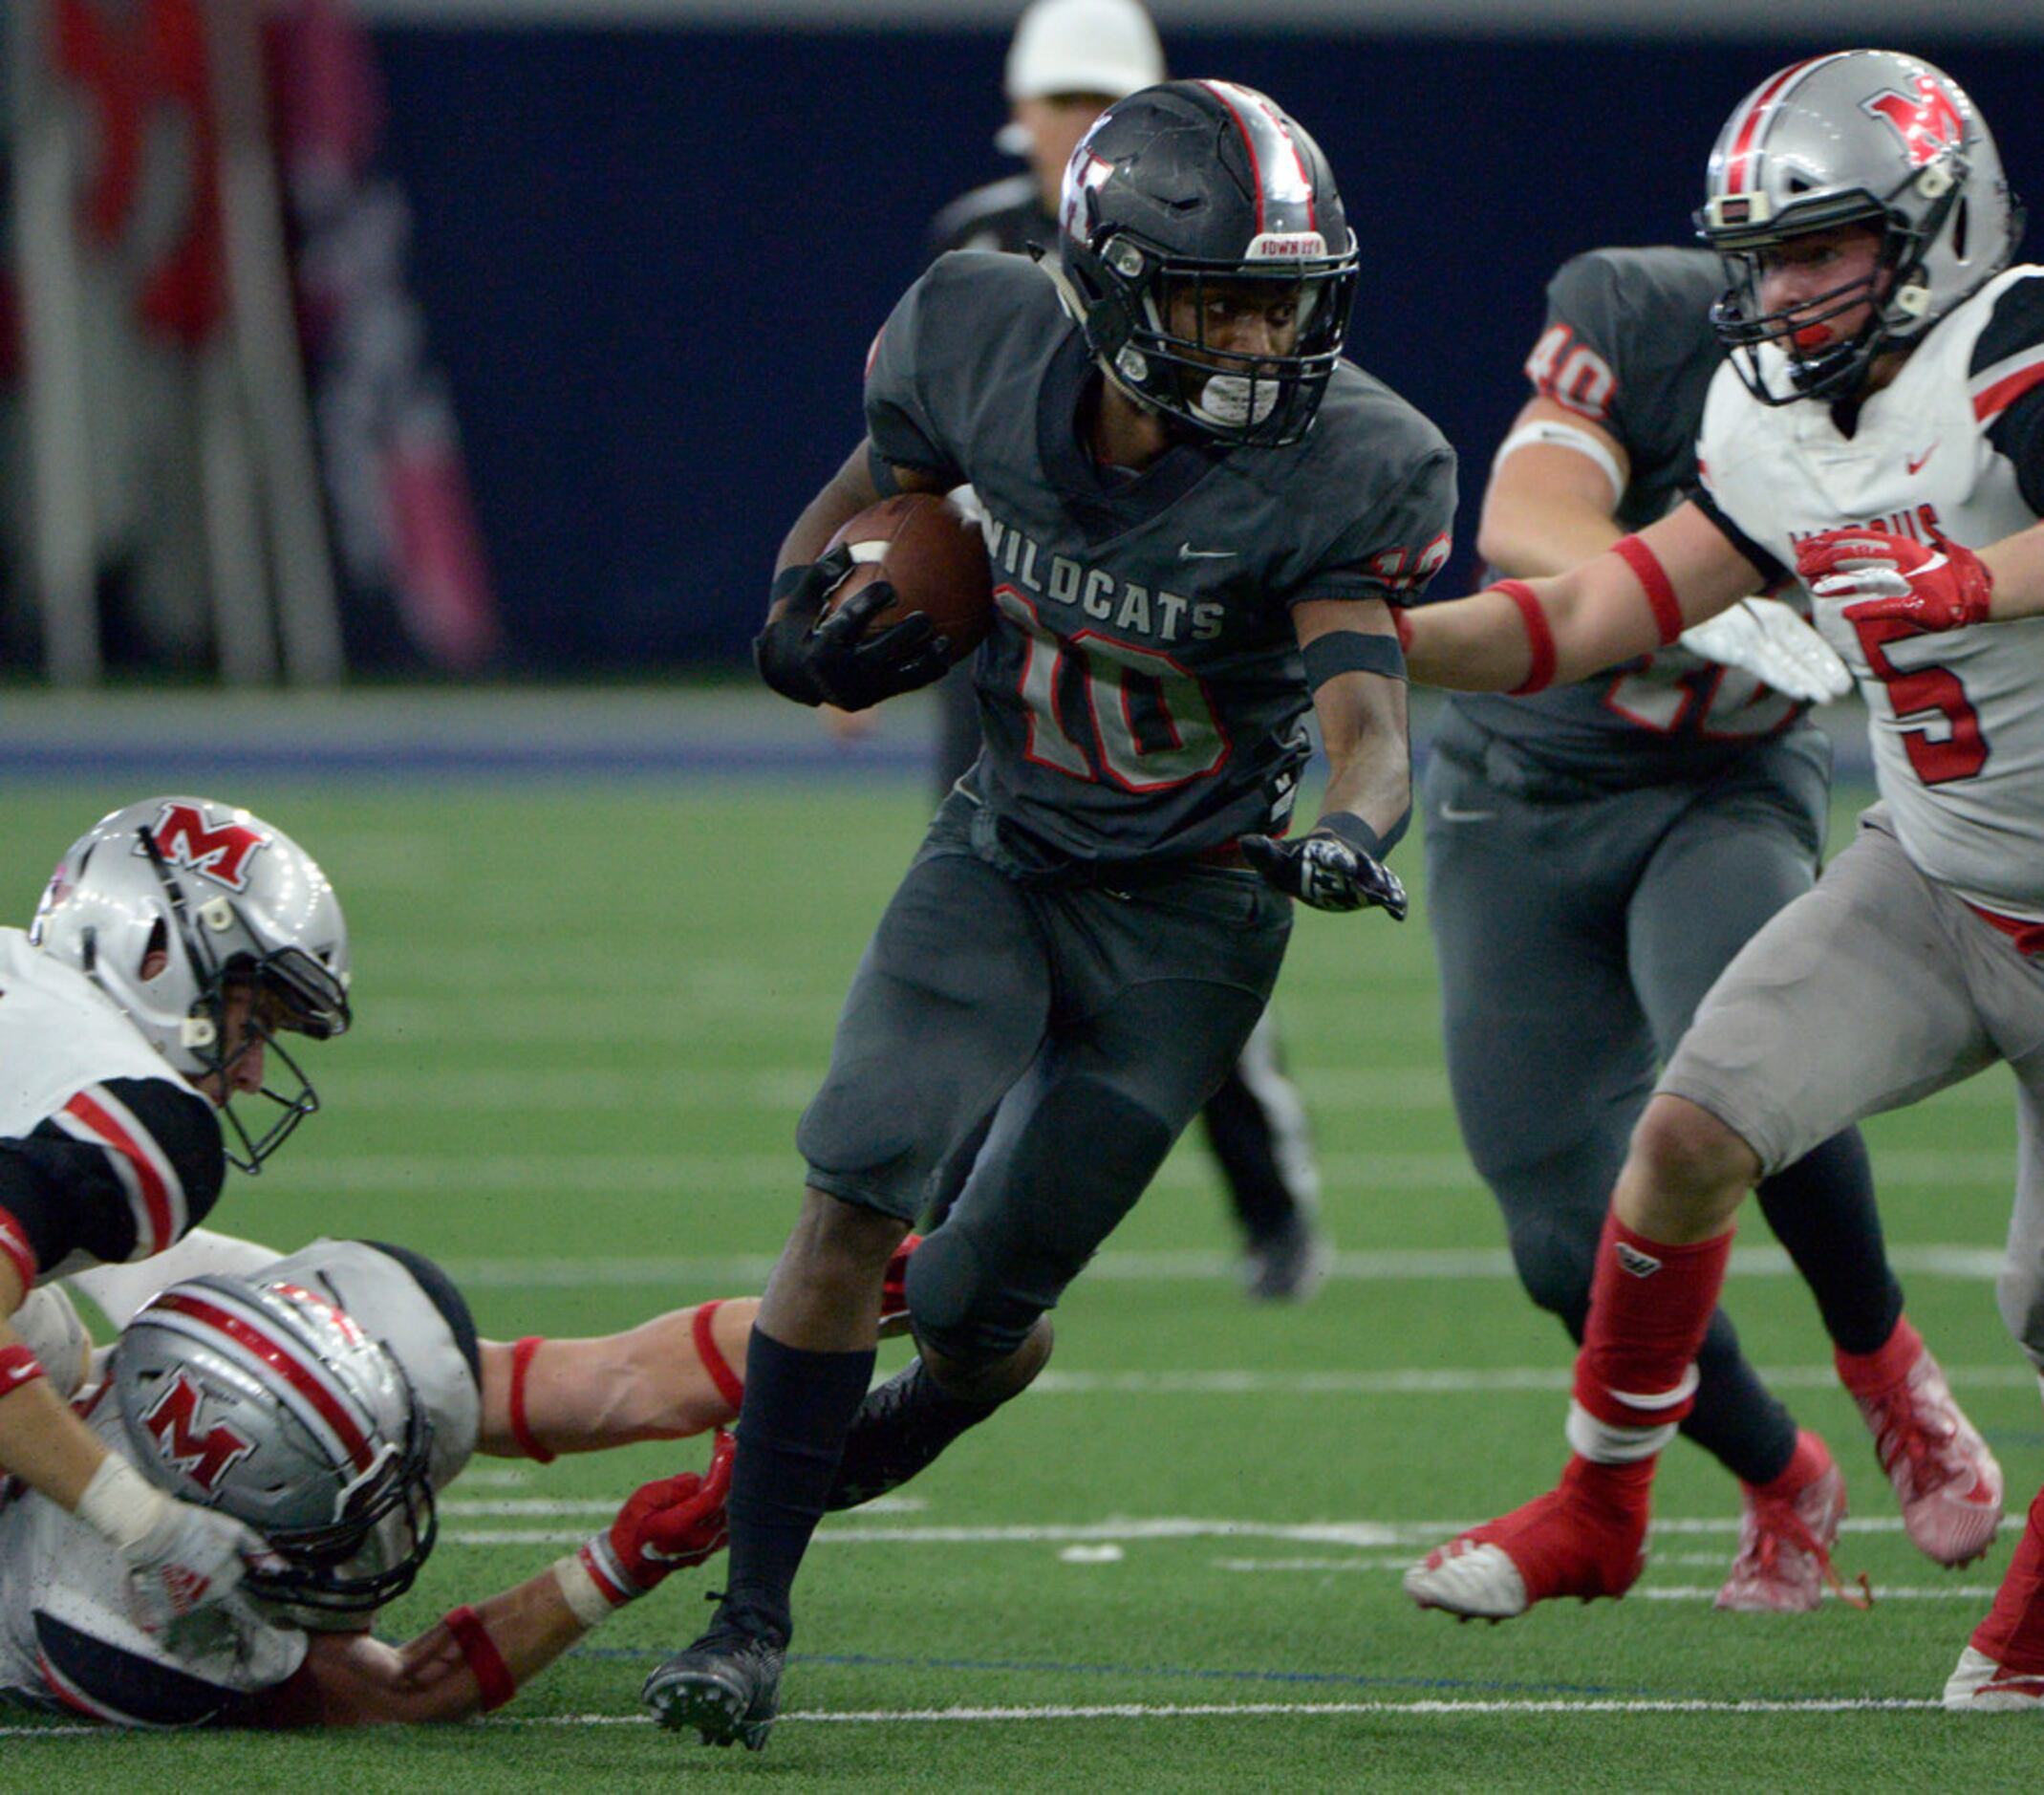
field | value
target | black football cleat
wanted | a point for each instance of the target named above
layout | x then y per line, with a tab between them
727	1686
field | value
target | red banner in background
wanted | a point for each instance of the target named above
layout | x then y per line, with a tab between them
404	528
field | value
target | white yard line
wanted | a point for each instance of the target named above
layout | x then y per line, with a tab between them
1390	1265
1430	1707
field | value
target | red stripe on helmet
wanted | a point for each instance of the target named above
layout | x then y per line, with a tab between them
280	1358
1249	143
1739	157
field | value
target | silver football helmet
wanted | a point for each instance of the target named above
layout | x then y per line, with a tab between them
262	1399
1866	137
166	905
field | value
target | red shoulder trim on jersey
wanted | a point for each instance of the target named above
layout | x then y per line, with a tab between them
729	1384
1992	400
1539	635
160	1206
15	1248
522	1433
1647	570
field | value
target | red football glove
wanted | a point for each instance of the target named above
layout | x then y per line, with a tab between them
663	1526
1940	587
895	1290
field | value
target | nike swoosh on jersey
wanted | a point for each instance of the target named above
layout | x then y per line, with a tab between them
1914	464
1187	552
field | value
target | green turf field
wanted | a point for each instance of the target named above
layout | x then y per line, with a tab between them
586	1020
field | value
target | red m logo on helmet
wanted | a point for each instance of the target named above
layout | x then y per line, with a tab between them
218	851
1928	124
173	1419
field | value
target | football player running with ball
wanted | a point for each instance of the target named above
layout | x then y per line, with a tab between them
1198	516
1879	429
1595	856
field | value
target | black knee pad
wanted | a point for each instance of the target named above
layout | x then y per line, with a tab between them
1049	1189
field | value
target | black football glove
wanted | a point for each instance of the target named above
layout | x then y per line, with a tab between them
835	662
1327	873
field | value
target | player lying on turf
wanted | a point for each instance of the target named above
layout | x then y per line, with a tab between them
177	941
1879	429
322	1399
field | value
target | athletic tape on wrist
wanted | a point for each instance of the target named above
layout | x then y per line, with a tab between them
120	1504
729	1384
1661	598
584	1589
526	1441
1351	651
486	1663
1539	635
19	1368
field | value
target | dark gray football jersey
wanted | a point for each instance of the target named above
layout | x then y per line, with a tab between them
1628	345
1141	693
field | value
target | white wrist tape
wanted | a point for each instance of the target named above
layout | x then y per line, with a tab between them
1557	435
584	1599
120	1504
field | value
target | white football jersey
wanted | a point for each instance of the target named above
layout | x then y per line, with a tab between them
1956	719
67	1639
65	1634
61	1039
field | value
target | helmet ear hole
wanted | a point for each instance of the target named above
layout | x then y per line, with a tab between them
1961	220
155	954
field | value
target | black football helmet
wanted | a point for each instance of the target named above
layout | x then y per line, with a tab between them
1182	186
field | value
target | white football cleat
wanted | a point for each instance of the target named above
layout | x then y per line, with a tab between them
1472	1580
1981	1686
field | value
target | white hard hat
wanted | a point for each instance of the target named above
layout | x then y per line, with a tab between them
1084	47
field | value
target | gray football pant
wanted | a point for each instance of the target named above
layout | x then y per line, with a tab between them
1577	931
1088	1022
1877	989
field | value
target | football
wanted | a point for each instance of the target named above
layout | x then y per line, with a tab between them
934	556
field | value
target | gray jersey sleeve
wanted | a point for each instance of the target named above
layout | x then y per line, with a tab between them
1393	550
900	422
1628	345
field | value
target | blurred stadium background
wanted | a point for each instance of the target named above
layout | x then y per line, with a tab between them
365	427
623	259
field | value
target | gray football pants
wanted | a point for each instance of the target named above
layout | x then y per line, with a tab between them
1089	1021
1577	931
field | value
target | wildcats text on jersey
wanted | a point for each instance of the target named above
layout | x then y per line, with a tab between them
1161	616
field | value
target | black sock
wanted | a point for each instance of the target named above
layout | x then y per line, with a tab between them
1736	1419
899	1430
1822	1211
791	1431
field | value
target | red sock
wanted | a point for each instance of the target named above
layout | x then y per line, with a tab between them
1808	1462
1872	1373
1650	1305
2013	1635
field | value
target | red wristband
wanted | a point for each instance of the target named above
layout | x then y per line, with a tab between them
1539	636
18	1367
1647	570
520	1361
14	1247
486	1663
729	1384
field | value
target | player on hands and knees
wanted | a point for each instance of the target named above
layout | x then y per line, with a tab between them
1874	317
1197	514
1691	791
